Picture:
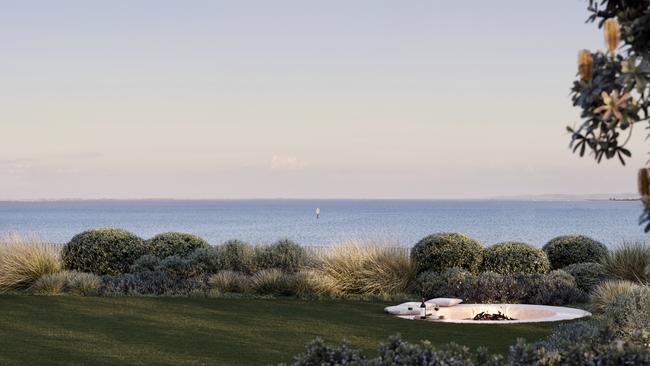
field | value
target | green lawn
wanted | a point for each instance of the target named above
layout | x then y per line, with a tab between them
68	330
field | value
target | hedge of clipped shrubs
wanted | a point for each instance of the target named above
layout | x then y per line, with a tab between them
105	251
440	251
569	249
515	257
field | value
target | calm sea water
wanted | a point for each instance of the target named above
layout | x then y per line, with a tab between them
261	221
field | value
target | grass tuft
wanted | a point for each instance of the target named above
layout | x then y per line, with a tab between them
360	268
23	260
628	262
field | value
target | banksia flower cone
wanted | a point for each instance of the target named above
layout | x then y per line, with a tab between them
585	64
612	29
644	185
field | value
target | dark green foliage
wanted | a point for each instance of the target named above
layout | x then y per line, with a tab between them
554	288
587	275
151	283
515	257
569	249
441	251
168	244
284	254
102	251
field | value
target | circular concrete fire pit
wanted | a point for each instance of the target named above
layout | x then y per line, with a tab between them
518	313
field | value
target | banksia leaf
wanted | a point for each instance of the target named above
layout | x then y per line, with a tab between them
585	64
644	185
612	29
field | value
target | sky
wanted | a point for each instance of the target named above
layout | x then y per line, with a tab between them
295	99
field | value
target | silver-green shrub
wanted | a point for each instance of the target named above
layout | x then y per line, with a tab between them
102	251
515	257
284	254
441	251
629	314
169	244
554	288
587	275
569	249
73	282
491	287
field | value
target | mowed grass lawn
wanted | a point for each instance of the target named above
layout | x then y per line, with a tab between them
66	330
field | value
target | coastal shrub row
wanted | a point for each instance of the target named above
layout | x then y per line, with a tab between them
441	251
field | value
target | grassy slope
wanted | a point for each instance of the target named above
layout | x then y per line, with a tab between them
206	331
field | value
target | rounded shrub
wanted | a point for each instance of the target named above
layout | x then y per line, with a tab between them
554	288
168	244
587	275
441	251
570	249
105	251
284	254
515	257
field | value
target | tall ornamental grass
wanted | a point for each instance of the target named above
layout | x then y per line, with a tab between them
628	262
362	268
23	260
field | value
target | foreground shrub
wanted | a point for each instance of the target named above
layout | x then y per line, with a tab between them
628	262
358	268
272	282
554	288
450	283
629	314
23	261
397	352
569	249
567	335
515	257
607	292
587	275
78	283
229	282
151	283
102	251
179	244
284	254
438	252
491	287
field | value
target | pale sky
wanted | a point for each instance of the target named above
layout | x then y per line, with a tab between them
294	99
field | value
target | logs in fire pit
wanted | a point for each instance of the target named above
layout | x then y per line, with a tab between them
487	316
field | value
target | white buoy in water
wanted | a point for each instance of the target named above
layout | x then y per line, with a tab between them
317	212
